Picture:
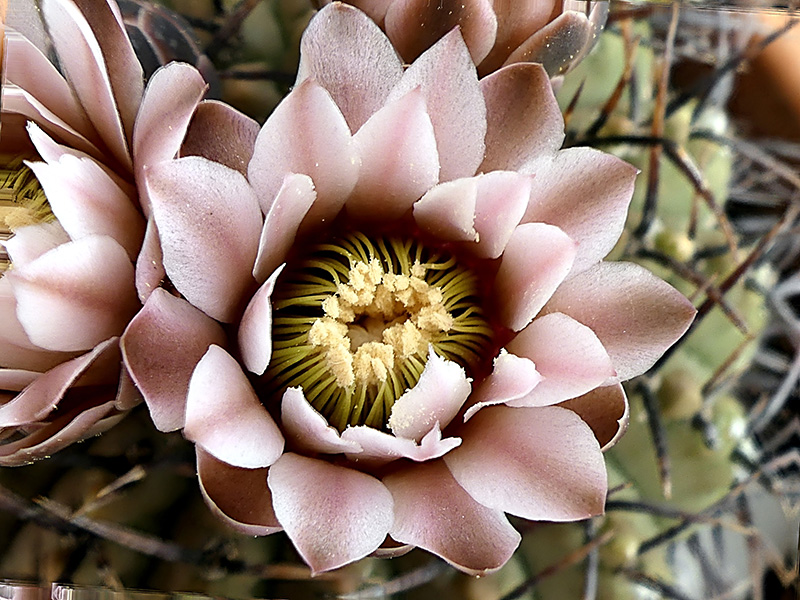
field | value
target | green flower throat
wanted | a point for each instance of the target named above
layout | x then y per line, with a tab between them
353	322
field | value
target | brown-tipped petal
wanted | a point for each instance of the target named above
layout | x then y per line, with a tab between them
150	263
433	512
501	201
255	328
537	259
586	193
332	514
439	394
29	243
307	430
523	118
171	97
535	463
86	201
375	9
513	377
359	76
415	25
605	410
221	133
399	160
87	71
209	223
569	356
161	347
515	22
446	75
379	447
27	67
291	205
75	295
78	425
247	436
40	398
306	134
447	210
556	45
240	497
636	315
124	70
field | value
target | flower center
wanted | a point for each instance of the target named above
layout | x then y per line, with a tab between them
22	201
353	322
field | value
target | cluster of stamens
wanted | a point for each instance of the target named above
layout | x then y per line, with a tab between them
354	321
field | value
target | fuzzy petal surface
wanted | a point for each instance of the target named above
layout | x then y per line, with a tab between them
30	242
306	134
536	260
76	295
446	76
255	328
221	133
161	347
512	378
432	511
209	223
586	193
399	160
358	76
247	436
439	394
332	514
636	315
569	356
535	463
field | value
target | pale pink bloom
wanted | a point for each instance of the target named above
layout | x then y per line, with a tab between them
430	151
87	132
555	33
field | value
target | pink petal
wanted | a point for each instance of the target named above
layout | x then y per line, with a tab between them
535	463
359	75
209	223
307	430
294	200
536	260
239	497
512	378
567	354
586	193
255	328
523	117
150	263
501	202
43	395
605	410
515	22
415	25
82	59
170	99
161	348
399	161
15	380
221	133
375	9
379	447
27	67
306	134
29	243
86	201
332	514
446	75
76	295
433	512
556	45
439	394
447	211
77	425
247	436
636	315
128	395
